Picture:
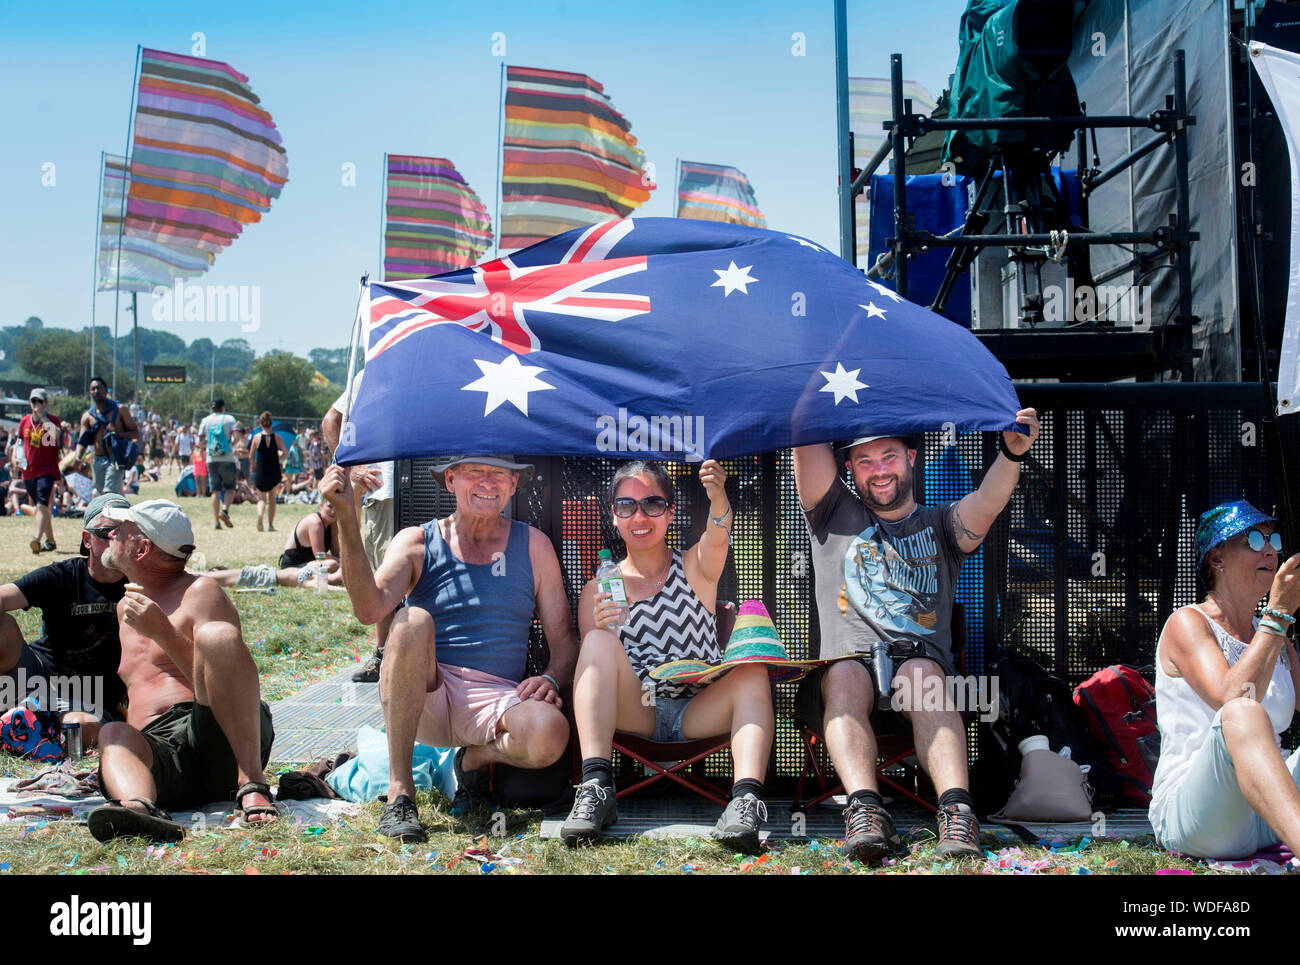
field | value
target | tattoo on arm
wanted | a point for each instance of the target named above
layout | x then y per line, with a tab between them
959	529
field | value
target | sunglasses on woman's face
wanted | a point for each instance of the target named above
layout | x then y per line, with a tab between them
1258	540
625	506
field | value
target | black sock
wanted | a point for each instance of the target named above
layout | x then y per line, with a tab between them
867	796
957	795
598	769
747	786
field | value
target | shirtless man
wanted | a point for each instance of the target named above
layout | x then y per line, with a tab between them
195	726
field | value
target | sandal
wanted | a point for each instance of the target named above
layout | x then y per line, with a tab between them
252	810
116	820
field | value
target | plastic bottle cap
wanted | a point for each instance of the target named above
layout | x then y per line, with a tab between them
605	555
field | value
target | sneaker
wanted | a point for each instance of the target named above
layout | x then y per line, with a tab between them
869	832
959	833
259	524
369	672
595	807
225	518
472	787
48	546
401	820
36	546
217	527
737	829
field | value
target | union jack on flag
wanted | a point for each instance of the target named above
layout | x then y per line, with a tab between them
659	338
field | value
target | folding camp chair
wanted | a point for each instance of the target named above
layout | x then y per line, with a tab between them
894	750
650	753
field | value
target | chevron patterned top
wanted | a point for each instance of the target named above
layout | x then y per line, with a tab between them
671	625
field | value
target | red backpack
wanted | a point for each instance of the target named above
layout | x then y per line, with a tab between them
1119	707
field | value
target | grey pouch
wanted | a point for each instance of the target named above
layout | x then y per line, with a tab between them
1051	788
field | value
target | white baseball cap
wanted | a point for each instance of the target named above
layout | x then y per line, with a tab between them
161	521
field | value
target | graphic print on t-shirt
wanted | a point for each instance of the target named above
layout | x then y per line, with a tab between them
893	582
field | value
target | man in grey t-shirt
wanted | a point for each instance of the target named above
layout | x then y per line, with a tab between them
886	571
216	436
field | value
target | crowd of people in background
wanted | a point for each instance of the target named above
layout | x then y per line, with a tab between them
52	468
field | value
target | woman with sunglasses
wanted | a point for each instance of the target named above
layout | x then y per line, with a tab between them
1226	683
672	597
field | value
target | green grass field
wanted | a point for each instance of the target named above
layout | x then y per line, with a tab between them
297	638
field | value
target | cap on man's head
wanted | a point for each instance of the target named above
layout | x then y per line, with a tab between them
161	522
439	469
38	394
97	506
911	442
218	404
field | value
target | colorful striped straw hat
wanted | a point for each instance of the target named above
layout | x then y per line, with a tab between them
753	640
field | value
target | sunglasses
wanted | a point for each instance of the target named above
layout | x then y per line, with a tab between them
103	532
1258	540
625	506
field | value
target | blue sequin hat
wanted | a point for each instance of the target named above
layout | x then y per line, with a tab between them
1224	522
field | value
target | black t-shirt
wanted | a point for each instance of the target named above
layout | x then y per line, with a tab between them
80	636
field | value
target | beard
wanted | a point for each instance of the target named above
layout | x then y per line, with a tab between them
109	560
902	492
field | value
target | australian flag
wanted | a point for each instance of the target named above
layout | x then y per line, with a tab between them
659	338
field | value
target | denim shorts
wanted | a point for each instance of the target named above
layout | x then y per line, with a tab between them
1207	816
669	712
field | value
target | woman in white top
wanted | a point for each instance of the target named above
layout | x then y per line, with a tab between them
1226	685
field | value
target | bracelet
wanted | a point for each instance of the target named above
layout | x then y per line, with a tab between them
1282	615
719	520
1006	451
1268	626
554	683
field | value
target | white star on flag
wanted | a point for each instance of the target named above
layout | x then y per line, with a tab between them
887	292
507	381
806	243
873	311
844	384
733	279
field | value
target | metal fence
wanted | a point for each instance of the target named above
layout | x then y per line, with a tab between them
1093	553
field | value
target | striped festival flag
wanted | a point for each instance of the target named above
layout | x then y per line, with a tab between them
145	264
206	159
869	108
569	158
434	222
716	192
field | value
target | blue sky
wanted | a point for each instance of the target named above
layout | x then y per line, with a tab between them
715	82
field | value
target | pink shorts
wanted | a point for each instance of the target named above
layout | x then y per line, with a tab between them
466	709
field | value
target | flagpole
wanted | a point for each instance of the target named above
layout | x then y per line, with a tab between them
677	209
94	277
501	151
352	348
121	224
844	162
383	216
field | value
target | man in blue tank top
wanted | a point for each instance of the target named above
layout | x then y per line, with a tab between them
454	666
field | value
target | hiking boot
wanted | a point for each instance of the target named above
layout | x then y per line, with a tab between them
959	834
595	807
369	671
868	832
401	820
472	787
48	546
738	827
225	518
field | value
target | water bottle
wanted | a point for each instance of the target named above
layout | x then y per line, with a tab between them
883	664
610	580
322	576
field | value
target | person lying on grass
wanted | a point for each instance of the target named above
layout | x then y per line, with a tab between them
262	576
195	725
